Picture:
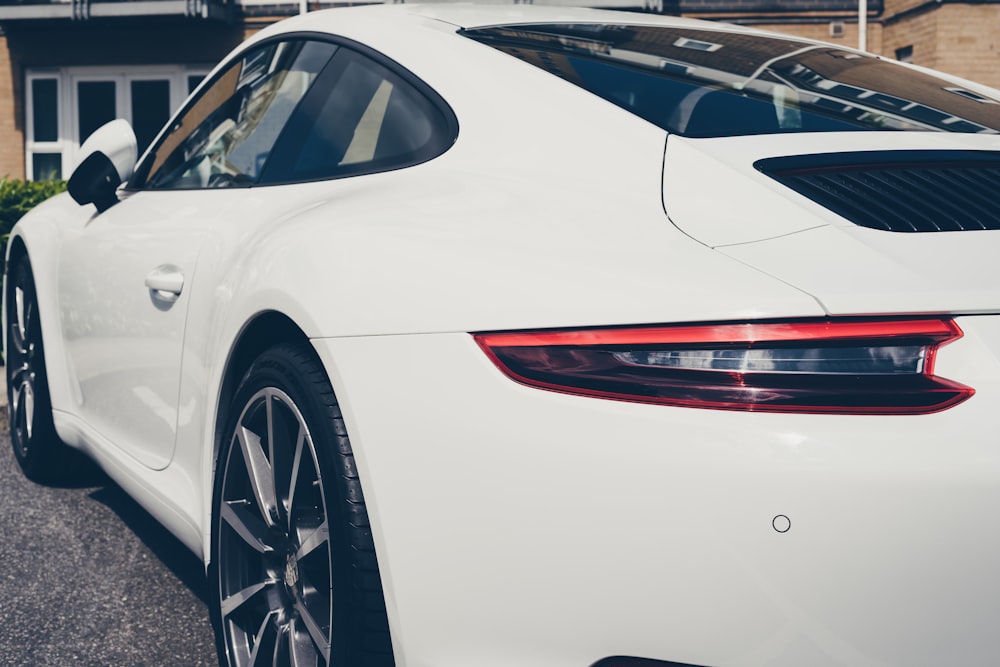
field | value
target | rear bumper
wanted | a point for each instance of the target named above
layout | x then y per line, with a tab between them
518	526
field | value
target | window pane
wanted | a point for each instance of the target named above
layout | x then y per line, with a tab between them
45	110
370	120
96	103
226	135
46	166
340	135
150	109
193	80
702	83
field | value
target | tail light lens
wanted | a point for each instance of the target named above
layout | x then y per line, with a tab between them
831	366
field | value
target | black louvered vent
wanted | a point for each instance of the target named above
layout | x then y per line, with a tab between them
899	191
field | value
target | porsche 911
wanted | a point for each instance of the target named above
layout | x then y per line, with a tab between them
454	335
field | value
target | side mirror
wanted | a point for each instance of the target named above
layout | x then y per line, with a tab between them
109	156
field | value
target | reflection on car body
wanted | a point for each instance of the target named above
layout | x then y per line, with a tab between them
452	335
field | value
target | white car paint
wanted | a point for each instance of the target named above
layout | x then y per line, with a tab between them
123	340
757	208
627	554
764	225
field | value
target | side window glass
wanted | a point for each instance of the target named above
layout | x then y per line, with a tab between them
360	118
225	137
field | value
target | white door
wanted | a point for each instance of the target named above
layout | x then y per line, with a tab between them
126	275
124	286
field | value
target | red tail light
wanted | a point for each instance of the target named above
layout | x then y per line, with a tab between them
830	366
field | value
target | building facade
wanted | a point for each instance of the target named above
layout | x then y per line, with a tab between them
960	37
68	66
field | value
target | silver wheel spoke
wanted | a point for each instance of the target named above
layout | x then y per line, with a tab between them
280	647
19	308
18	389
319	640
28	399
272	462
253	531
316	539
301	650
259	636
300	442
260	474
239	598
23	406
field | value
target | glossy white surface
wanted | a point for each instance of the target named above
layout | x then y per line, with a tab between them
117	141
657	538
123	340
521	527
756	207
870	271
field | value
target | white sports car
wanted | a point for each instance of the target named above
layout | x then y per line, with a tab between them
455	336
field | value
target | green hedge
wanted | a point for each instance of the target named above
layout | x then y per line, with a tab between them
19	197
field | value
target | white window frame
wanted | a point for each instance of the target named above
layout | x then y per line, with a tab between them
30	145
68	143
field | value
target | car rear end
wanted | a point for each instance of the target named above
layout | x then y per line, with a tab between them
731	482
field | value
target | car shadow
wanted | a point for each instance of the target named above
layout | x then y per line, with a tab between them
77	472
177	558
81	472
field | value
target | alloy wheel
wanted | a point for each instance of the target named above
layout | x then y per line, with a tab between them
275	560
23	358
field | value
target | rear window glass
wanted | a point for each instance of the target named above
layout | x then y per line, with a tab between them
708	83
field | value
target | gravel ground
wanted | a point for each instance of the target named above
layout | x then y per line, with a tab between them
88	578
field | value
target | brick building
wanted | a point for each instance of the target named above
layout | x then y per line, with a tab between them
67	66
961	37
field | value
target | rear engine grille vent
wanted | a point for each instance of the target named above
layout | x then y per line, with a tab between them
899	191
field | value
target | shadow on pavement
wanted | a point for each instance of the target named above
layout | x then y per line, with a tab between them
84	473
172	553
80	473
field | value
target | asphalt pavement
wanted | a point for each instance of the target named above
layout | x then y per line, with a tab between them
88	578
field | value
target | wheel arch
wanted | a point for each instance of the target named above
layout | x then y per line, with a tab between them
37	242
262	331
36	236
265	330
16	249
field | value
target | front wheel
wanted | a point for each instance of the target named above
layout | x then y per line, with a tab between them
293	567
37	448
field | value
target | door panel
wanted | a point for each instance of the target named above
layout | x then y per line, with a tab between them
125	282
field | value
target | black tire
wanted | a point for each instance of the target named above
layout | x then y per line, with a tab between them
37	448
286	592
